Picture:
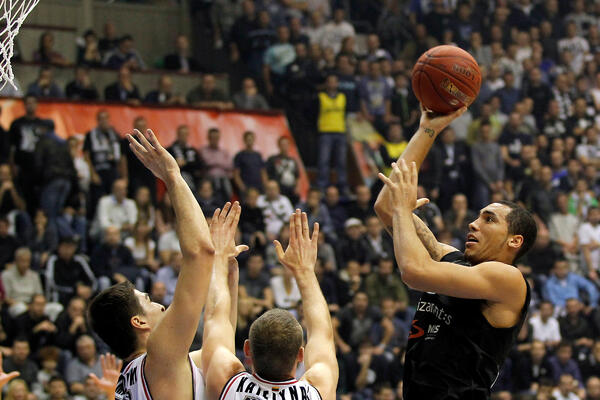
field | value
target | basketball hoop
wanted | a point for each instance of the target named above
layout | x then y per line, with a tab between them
12	15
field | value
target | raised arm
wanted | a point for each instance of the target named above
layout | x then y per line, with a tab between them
492	281
419	145
300	257
218	347
180	322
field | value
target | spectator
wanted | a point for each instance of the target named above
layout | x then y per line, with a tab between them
589	241
456	167
578	125
562	95
362	206
351	246
374	50
168	276
592	388
20	283
249	98
353	323
208	95
511	142
545	327
284	169
45	54
336	209
82	87
57	389
255	285
164	95
249	167
130	167
458	217
316	211
124	56
158	293
385	284
564	229
88	52
380	246
54	167
581	199
187	157
181	61
218	165
589	151
86	362
8	243
110	41
332	134
566	389
103	154
71	324
562	363
285	291
116	210
509	94
574	327
45	86
336	30
19	361
35	326
531	368
113	262
563	285
142	247
252	224
375	94
276	58
123	90
82	184
276	209
577	45
43	239
12	203
64	270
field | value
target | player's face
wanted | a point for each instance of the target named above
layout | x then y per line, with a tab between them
154	312
488	234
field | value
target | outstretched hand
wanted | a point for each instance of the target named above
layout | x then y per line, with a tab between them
403	185
301	253
4	377
111	369
433	123
151	153
420	202
223	227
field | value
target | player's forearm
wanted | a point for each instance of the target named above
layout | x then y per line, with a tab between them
316	317
410	252
416	150
192	229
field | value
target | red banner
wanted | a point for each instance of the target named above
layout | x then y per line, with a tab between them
78	118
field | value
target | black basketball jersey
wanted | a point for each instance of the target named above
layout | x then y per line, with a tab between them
453	352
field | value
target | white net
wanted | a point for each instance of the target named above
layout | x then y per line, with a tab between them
12	15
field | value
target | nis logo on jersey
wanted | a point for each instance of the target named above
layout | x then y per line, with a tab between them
432	308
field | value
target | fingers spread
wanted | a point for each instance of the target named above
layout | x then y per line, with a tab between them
315	235
305	233
144	141
153	140
293	237
298	224
224	212
278	250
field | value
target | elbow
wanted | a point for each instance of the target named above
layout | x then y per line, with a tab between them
411	275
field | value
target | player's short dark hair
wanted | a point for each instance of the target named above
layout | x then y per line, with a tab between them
521	222
110	313
275	339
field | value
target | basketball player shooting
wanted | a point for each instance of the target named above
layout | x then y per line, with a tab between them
154	341
473	304
275	340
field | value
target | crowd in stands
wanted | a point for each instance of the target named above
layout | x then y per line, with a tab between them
80	215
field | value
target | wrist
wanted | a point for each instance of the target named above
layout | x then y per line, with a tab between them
429	131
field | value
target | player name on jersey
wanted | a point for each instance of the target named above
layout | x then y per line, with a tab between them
245	386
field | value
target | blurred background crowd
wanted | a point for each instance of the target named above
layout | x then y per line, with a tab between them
79	215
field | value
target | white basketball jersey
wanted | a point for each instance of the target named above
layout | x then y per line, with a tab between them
245	386
132	382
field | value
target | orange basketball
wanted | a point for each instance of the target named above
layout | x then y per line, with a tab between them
445	78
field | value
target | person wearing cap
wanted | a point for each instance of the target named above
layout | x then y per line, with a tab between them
352	246
54	169
65	269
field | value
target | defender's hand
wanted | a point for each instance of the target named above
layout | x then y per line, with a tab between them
301	253
223	227
403	185
154	157
111	369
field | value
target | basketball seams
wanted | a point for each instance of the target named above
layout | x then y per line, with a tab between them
454	77
436	91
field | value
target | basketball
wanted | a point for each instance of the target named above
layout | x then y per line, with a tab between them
445	78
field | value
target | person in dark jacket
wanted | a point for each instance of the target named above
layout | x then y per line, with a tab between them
71	324
65	269
35	326
82	88
180	61
123	90
55	171
187	157
531	368
113	262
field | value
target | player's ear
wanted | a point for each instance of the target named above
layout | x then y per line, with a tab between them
139	322
515	242
300	357
247	351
